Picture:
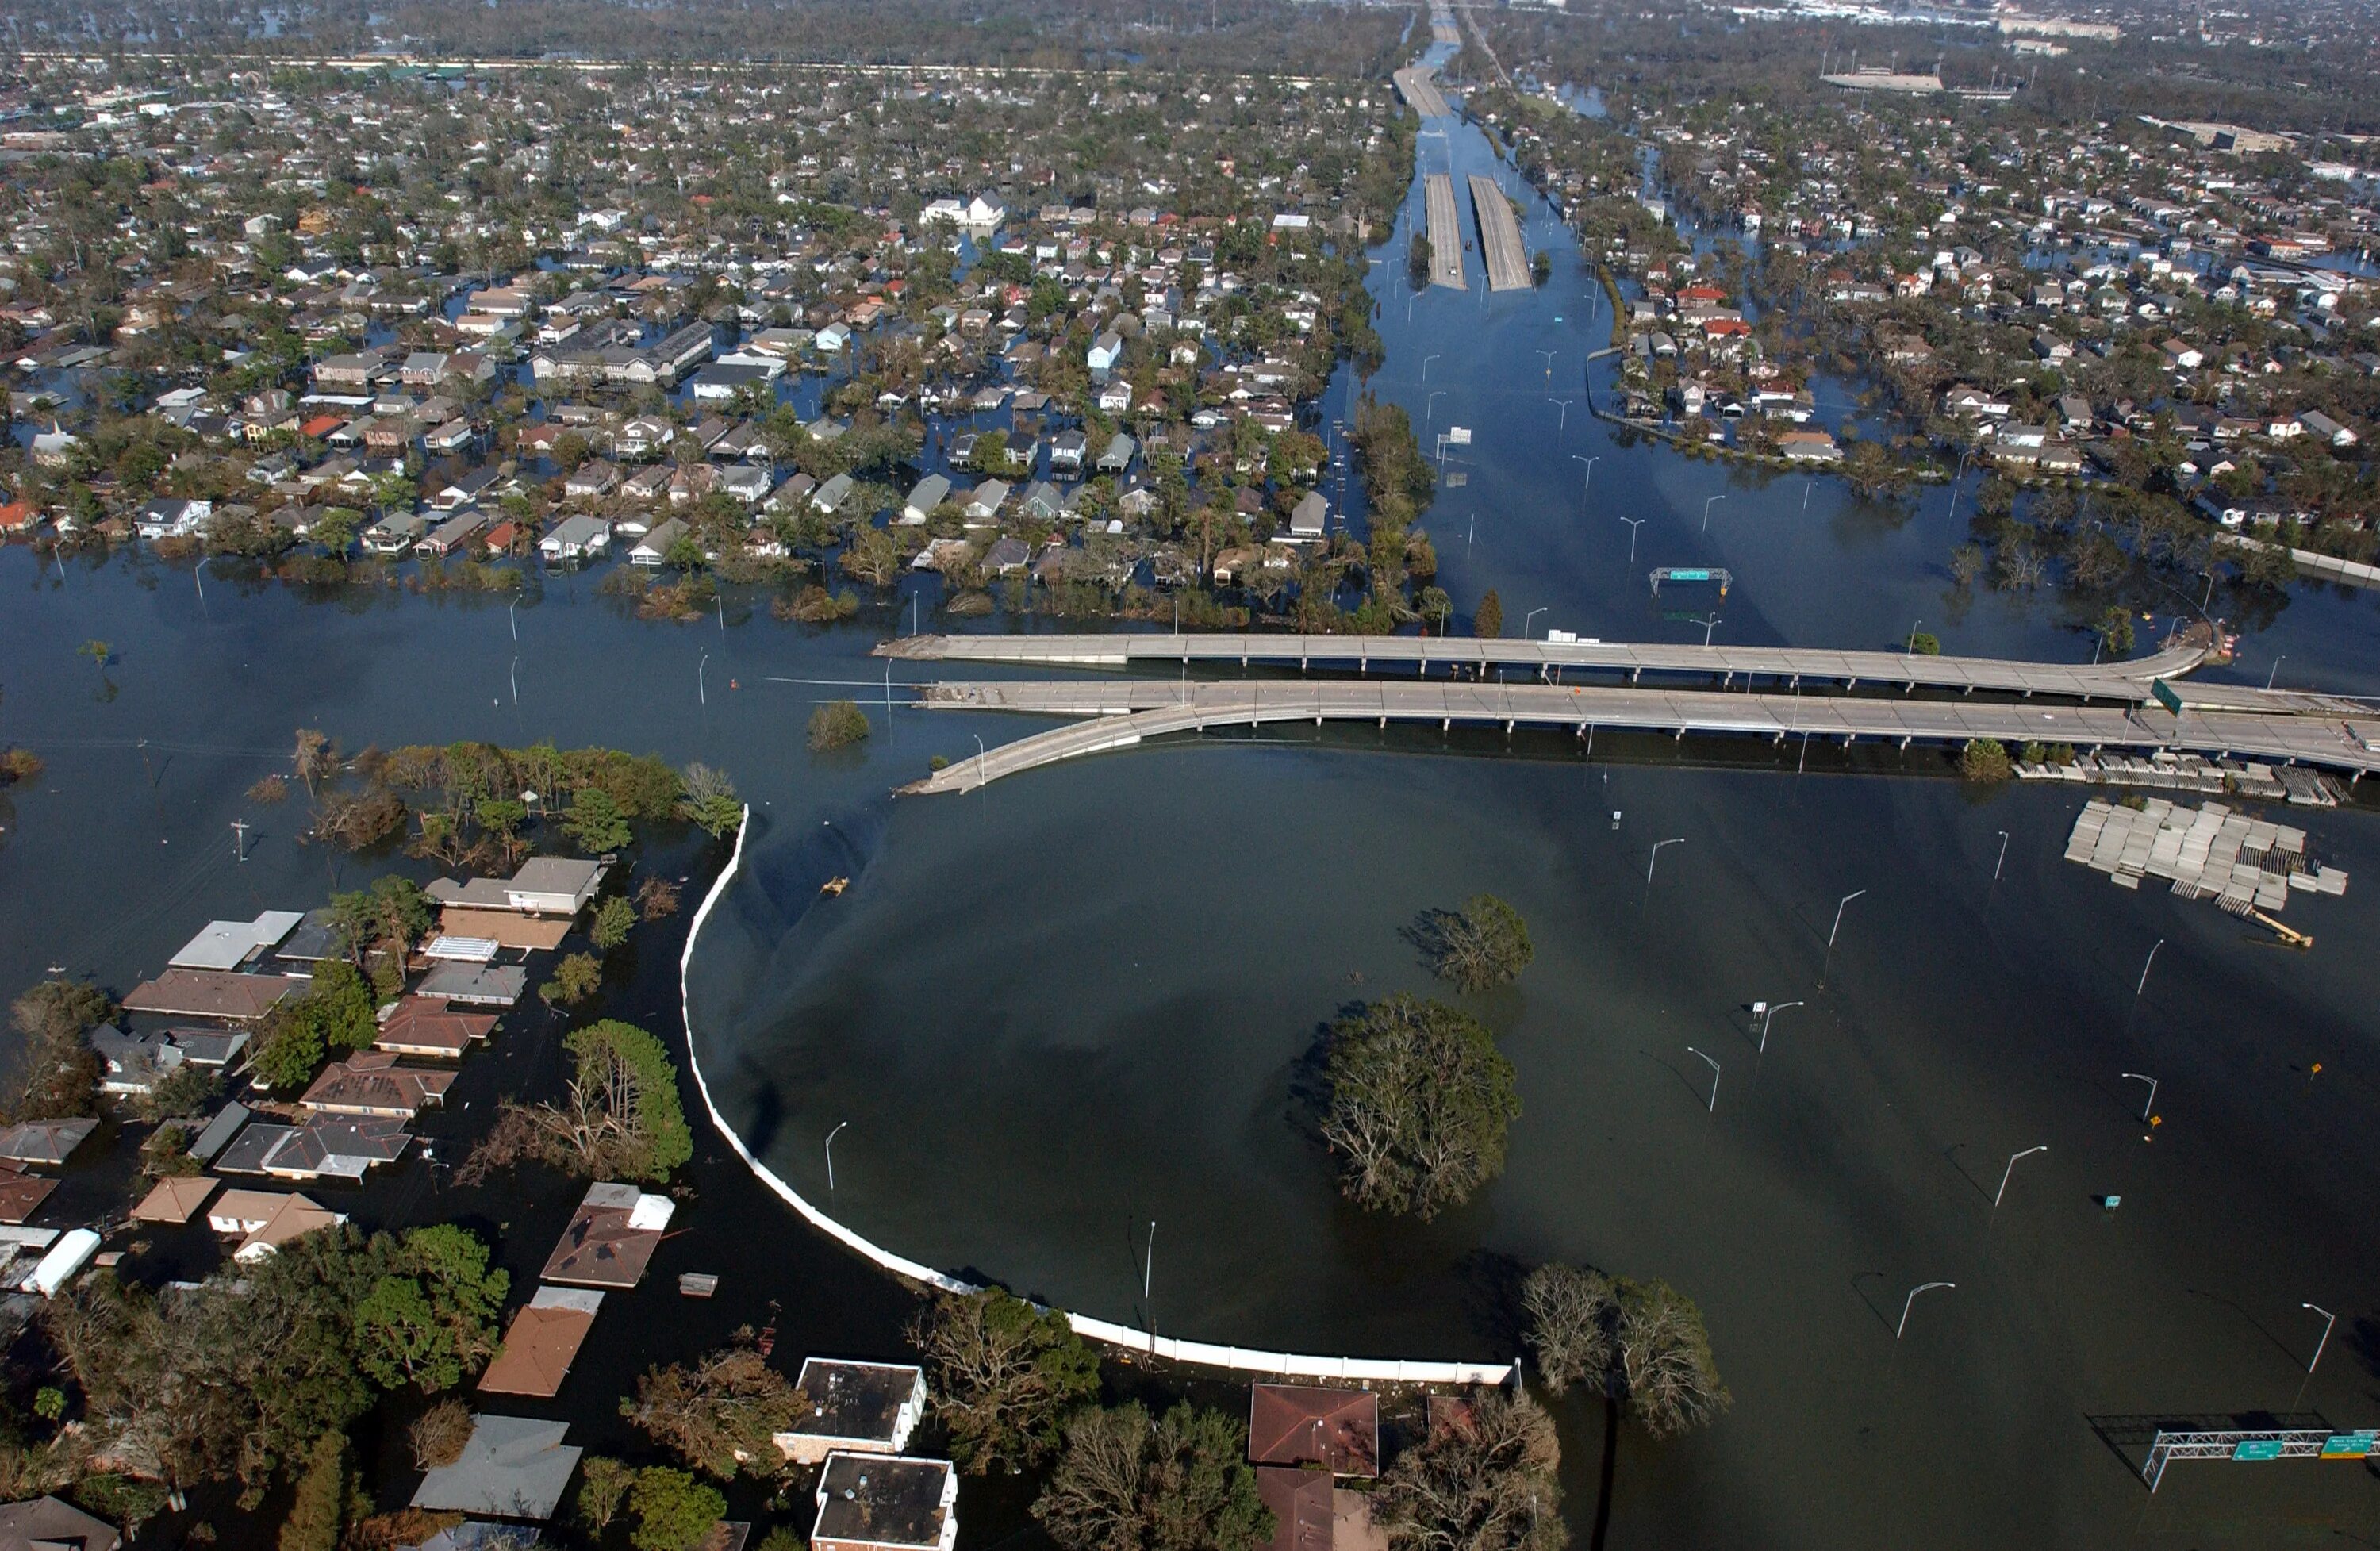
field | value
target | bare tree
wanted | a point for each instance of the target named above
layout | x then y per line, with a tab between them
1665	1356
314	758
1484	1481
1571	1314
1420	1100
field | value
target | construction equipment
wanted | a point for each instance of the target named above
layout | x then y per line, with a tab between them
2297	940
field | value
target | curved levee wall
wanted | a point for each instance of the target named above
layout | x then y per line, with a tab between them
1275	1364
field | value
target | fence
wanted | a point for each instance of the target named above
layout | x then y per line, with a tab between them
1281	1364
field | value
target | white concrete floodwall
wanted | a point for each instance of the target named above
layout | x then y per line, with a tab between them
1270	1364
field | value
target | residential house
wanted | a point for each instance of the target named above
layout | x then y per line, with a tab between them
512	1467
372	1083
652	549
577	537
1334	1430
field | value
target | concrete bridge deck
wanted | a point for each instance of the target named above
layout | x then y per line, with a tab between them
1500	236
1420	92
2126	682
1445	232
1122	714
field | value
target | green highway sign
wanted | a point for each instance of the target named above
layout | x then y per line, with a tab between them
2257	1448
2348	1446
2165	696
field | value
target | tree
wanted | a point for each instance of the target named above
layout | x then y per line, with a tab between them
1005	1374
1985	759
1176	1483
710	803
336	1010
432	1317
575	977
1924	643
389	915
440	1435
719	1415
602	1483
319	1510
1571	1312
1487	1481
619	1118
673	1511
398	1341
837	724
1420	1102
98	652
614	919
1488	622
2115	631
314	760
596	821
1665	1358
1485	943
57	1074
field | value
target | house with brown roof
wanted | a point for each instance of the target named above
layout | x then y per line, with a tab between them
1294	1425
266	1220
419	1026
220	995
611	1238
174	1199
372	1083
541	1342
21	1195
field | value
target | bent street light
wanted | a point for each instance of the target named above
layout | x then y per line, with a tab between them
1902	1328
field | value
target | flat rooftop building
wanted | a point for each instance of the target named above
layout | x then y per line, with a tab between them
877	1502
858	1408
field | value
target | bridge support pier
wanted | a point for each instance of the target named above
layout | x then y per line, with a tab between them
1507	729
1682	735
1446	726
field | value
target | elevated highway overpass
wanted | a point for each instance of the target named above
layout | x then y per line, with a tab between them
1120	714
1466	656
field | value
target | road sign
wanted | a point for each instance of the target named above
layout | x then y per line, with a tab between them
2348	1446
2257	1448
2165	696
1458	436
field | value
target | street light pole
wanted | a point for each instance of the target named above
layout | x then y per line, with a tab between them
1425	366
511	612
1706	506
1148	1261
1910	649
1429	408
1564	425
1531	620
1711	1108
2145	970
830	1156
2275	669
1774	1008
1902	1328
1838	914
1633	524
701	687
1651	861
1549	355
2010	1169
1995	866
2143	1077
2328	1319
979	781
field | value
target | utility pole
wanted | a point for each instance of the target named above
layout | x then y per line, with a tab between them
239	839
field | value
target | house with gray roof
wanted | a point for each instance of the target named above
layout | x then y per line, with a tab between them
514	1467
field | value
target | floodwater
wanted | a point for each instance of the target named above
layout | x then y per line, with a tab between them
1083	1000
